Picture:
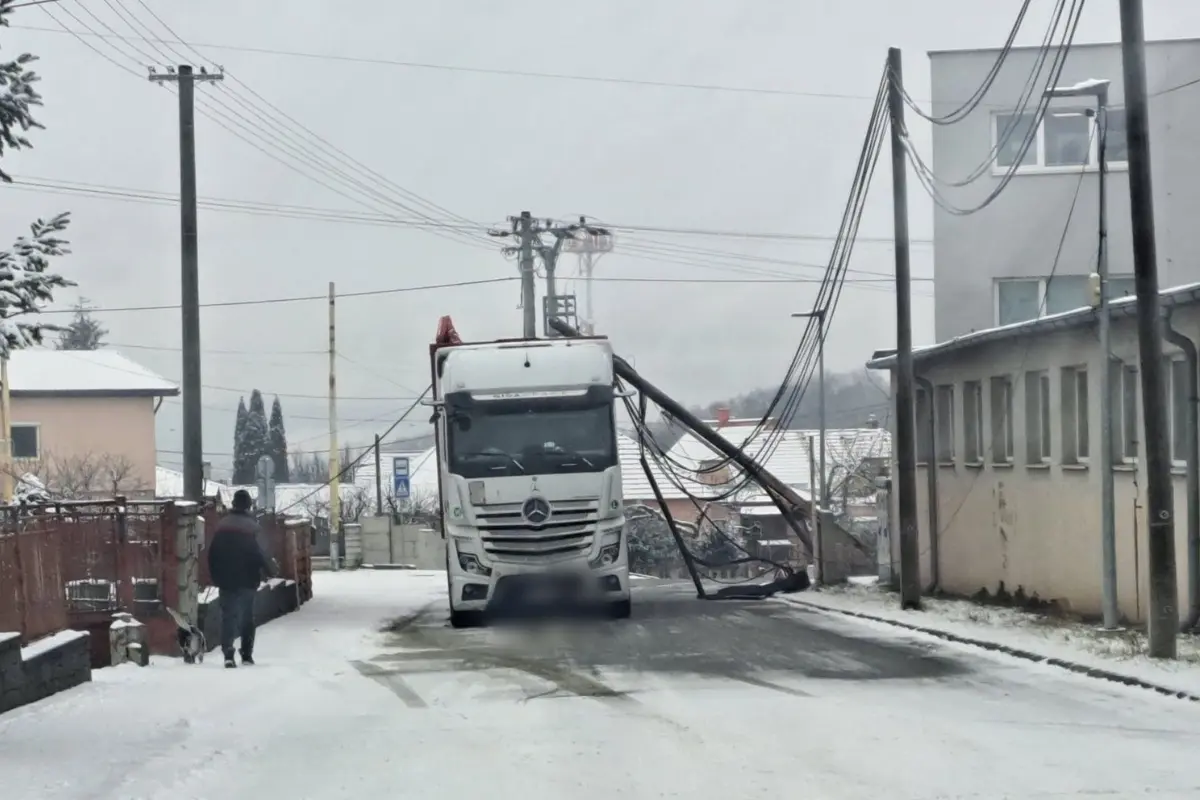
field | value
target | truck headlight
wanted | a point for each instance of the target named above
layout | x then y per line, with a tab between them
608	555
470	563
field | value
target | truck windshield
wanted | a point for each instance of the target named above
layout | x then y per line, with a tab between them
530	436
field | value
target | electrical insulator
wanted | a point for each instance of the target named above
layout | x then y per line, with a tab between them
1094	289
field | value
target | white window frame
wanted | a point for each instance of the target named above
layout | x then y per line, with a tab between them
1125	385
943	399
37	427
1039	426
1076	413
1177	459
1074	105
975	452
1041	297
1006	436
922	402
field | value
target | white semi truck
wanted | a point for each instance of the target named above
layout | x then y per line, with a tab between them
529	475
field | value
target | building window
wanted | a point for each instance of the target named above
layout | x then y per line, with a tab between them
973	422
1002	421
1064	139
922	407
1075	415
1037	417
1023	299
945	424
25	441
1180	397
1124	406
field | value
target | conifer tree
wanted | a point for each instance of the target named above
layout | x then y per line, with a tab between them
84	333
241	475
278	441
257	434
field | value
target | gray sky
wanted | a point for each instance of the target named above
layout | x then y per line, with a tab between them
482	146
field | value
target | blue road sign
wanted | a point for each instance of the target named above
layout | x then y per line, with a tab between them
400	487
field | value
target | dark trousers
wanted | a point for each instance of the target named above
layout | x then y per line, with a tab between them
237	620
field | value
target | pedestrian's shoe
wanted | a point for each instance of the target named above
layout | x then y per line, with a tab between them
247	659
230	663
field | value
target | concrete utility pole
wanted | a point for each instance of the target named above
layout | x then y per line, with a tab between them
193	442
818	539
335	473
378	481
906	438
1160	495
589	244
820	494
1108	523
523	227
528	232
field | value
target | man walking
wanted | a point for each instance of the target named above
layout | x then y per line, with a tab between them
237	563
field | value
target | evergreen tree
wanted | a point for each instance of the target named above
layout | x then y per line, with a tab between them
241	475
84	333
278	437
26	285
256	437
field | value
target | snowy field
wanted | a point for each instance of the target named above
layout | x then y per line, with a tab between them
1122	652
366	693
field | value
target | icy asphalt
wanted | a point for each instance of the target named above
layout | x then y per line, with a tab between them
366	693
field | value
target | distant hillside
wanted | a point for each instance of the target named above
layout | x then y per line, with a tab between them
851	399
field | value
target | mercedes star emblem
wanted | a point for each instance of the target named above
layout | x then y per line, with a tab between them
536	511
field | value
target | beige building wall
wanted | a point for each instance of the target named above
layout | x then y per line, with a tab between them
1037	528
71	429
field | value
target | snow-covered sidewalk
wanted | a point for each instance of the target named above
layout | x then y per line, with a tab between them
1122	652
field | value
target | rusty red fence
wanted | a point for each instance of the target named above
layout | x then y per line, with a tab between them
72	565
32	589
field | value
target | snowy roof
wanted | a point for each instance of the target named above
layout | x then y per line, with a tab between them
635	485
168	485
787	456
300	499
83	372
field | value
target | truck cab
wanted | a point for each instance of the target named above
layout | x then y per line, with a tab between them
529	475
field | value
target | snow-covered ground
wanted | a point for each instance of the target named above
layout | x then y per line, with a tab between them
366	693
1122	652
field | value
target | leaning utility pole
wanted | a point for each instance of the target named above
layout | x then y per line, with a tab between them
906	439
193	441
1160	496
335	476
589	243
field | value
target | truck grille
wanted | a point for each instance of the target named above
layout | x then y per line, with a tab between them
507	536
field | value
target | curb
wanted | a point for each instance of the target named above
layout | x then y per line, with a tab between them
1016	652
385	567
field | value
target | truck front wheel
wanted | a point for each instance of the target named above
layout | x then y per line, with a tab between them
466	619
622	609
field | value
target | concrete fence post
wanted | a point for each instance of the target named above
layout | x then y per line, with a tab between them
189	542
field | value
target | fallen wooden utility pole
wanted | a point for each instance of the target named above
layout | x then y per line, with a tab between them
791	505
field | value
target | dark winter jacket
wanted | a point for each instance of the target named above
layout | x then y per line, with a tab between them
236	557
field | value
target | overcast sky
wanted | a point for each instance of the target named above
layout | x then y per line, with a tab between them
456	126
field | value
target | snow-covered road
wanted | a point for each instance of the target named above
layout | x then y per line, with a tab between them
365	693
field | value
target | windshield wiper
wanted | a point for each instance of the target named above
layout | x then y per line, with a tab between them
486	454
565	453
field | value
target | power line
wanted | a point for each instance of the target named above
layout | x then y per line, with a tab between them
281	144
497	71
292	299
231	205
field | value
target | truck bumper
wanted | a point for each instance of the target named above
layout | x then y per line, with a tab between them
524	586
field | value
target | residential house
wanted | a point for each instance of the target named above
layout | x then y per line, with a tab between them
1018	486
853	458
169	486
83	421
994	267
